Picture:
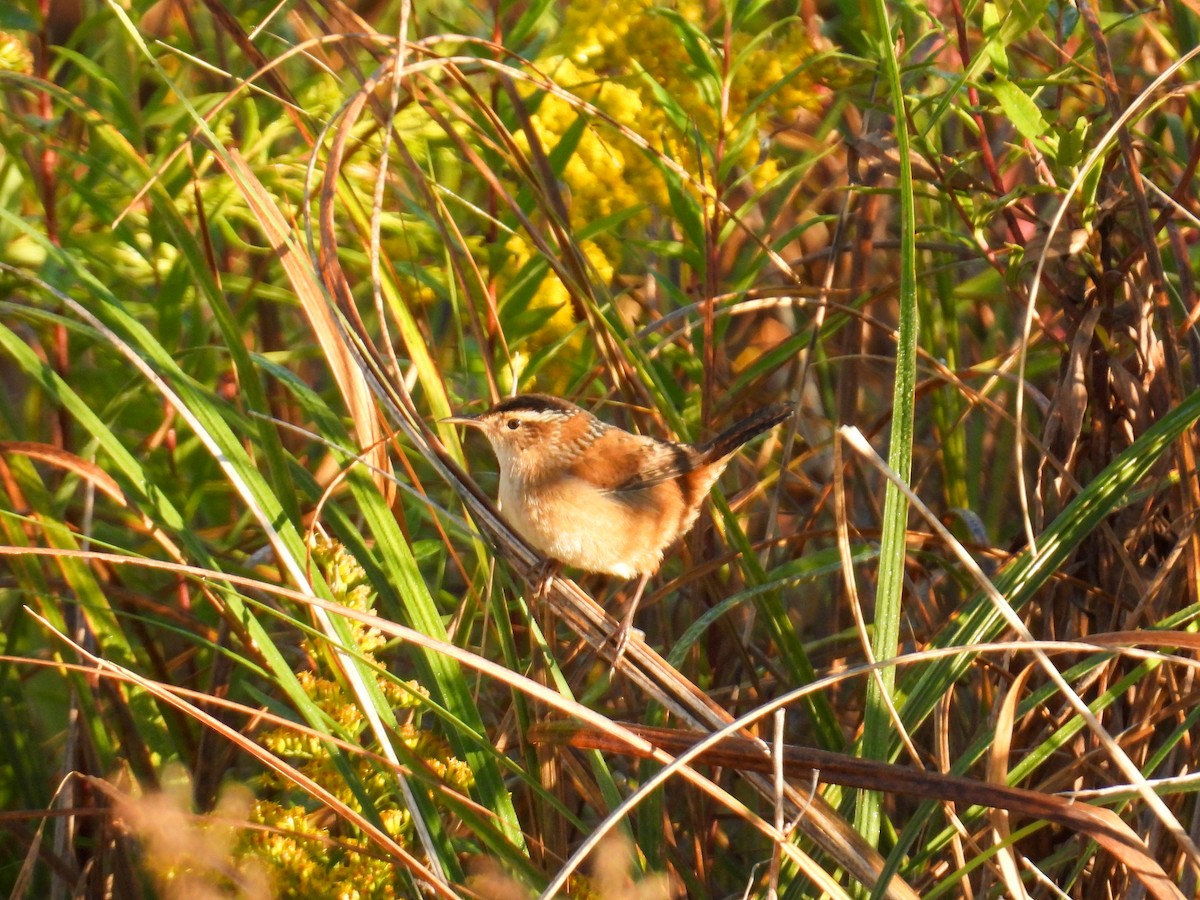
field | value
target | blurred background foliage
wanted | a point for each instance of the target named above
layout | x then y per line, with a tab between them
255	638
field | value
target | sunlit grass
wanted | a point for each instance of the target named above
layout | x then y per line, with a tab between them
246	266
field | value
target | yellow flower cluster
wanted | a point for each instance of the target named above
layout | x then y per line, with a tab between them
623	57
348	583
308	852
610	44
552	294
14	55
305	860
605	172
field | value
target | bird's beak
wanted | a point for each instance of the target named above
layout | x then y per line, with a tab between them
463	420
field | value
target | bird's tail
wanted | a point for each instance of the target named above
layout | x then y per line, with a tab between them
727	442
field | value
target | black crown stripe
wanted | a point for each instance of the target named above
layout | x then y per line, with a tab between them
532	403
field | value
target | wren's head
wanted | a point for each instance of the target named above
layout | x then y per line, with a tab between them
534	433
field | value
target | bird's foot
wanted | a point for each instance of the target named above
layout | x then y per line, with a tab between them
620	641
625	629
543	577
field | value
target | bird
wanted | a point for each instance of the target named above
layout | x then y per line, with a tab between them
596	497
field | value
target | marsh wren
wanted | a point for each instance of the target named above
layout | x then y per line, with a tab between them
597	497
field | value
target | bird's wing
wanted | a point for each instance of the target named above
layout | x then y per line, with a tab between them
620	462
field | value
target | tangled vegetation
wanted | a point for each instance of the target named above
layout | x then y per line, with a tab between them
265	634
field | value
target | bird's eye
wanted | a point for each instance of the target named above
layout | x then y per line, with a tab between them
514	424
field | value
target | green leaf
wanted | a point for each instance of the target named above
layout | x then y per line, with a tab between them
1071	143
878	729
1025	115
695	42
995	50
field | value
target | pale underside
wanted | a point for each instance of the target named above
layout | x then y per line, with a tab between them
622	533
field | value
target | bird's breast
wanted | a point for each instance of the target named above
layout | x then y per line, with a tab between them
622	533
